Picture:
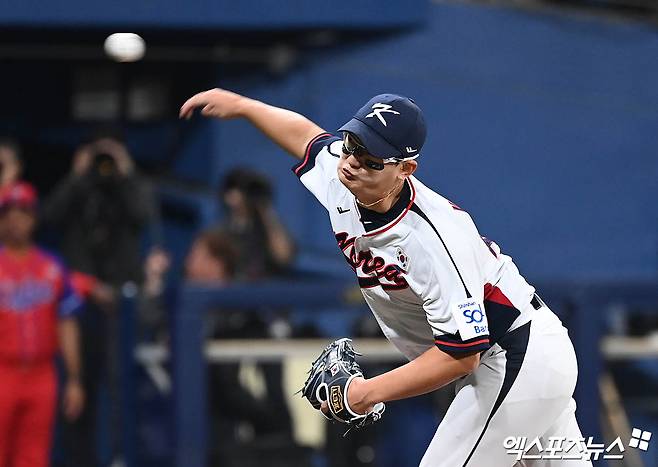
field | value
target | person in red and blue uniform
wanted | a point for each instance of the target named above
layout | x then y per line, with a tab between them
38	309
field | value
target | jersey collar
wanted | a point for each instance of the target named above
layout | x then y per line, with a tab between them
376	222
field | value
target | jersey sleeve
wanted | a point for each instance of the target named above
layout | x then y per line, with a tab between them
83	284
453	294
69	302
318	168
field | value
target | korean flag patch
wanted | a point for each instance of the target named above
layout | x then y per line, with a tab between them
471	319
402	257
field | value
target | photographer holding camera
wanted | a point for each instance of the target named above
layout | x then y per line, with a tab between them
265	248
101	211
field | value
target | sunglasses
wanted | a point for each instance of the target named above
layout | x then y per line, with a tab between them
353	147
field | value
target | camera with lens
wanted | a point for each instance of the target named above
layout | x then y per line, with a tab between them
256	189
104	166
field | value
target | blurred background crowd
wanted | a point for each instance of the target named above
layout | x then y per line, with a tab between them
103	220
115	217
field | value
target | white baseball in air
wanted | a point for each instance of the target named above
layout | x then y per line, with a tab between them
125	47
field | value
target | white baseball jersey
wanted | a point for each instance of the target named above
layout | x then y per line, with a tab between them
431	279
423	268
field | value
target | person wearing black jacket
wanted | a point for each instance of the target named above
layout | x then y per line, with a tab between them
101	211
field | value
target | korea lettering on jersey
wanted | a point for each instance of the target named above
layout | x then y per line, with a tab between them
35	291
425	272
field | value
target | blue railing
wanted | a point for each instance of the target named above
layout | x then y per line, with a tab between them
581	306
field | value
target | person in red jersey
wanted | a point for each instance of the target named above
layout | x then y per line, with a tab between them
37	319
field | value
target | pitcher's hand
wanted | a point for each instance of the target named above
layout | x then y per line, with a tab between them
217	103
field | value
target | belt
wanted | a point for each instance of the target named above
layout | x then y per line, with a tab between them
537	302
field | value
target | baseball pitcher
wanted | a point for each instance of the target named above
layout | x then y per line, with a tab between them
446	297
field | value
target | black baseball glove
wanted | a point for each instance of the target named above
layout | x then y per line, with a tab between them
329	378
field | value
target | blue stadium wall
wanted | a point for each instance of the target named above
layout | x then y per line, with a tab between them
543	127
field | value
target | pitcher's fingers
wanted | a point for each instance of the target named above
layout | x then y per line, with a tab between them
187	108
184	112
207	110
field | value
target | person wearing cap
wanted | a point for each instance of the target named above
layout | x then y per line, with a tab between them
446	297
37	319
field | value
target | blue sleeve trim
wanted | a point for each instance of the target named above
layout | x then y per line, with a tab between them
69	303
452	344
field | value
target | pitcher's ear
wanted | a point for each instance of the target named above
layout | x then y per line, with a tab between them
408	168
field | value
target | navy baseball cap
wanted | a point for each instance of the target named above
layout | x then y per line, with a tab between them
389	125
